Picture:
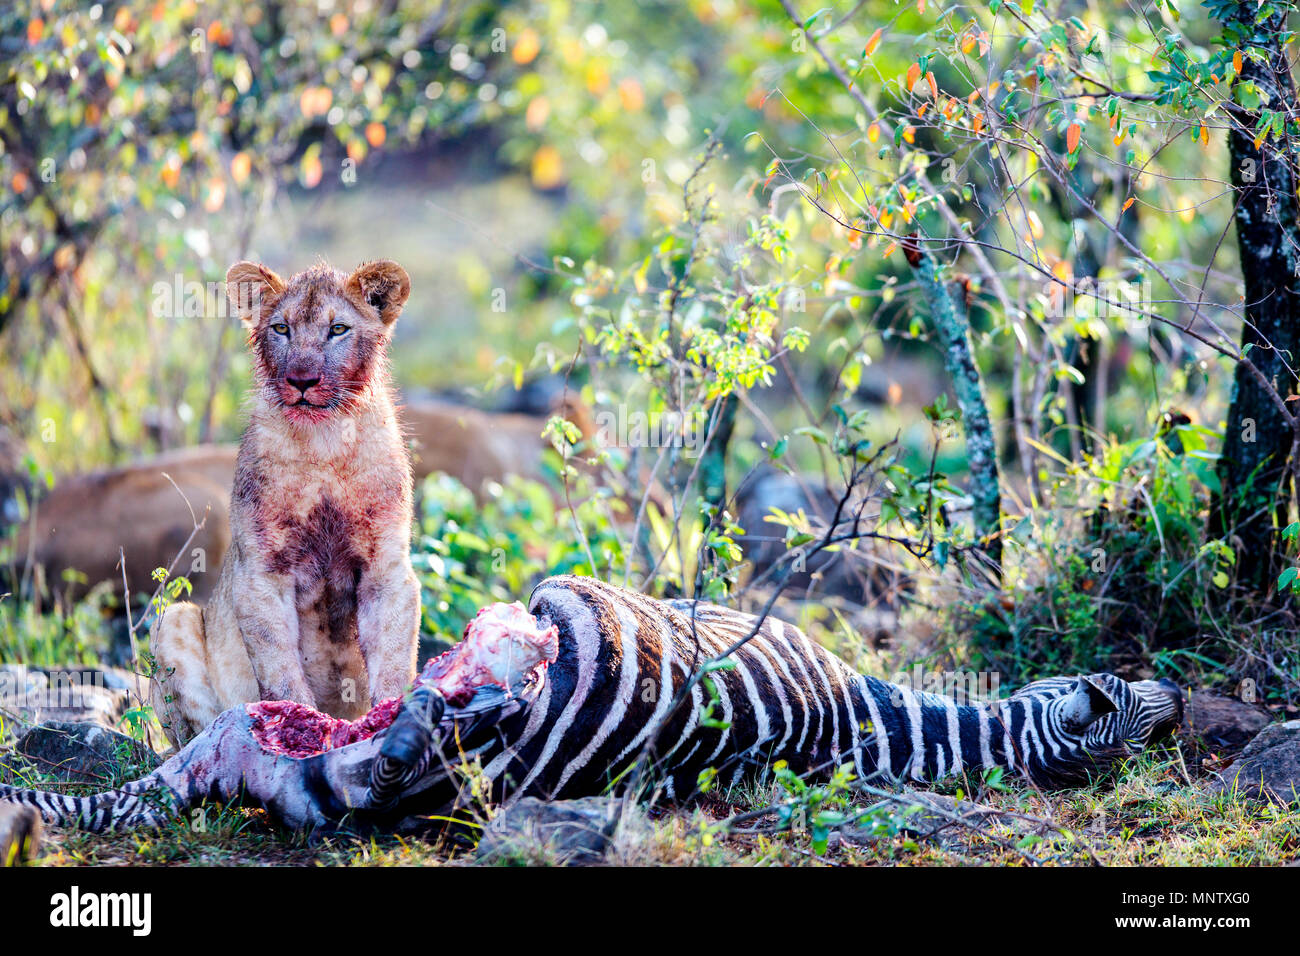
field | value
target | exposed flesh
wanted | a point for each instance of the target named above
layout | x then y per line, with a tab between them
502	647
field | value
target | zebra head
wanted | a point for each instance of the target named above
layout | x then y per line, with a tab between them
1130	714
462	698
1096	721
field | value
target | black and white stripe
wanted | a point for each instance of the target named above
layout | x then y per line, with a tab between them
625	661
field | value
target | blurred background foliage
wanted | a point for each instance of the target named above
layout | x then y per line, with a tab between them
680	206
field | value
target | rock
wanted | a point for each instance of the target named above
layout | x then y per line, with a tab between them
1221	724
941	818
82	695
1268	769
84	753
564	832
20	833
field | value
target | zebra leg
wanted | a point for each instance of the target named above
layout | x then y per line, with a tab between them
212	766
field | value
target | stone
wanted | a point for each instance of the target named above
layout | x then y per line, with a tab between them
940	818
84	753
20	833
565	832
79	695
1218	724
1268	769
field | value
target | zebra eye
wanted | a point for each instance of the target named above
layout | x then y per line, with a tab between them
280	329
338	328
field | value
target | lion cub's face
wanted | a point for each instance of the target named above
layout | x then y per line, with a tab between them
321	338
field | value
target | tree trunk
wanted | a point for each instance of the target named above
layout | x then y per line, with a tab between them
713	468
1254	471
953	331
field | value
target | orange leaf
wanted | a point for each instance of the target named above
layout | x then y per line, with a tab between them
216	195
241	165
979	122
909	134
1127	202
376	134
889	249
934	87
527	46
1236	61
1205	135
968	43
873	42
35	30
920	6
1072	133
913	74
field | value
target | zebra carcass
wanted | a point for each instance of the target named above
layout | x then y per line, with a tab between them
565	697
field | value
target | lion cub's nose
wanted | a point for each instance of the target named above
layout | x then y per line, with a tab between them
302	384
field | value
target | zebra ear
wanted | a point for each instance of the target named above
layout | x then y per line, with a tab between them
1087	702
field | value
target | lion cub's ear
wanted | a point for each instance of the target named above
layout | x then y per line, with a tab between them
383	285
249	286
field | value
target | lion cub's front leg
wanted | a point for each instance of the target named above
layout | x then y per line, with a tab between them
267	613
388	624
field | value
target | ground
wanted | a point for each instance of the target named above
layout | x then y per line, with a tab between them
1152	817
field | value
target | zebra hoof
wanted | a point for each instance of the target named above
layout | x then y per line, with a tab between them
20	833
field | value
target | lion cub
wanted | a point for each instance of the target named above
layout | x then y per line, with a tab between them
317	601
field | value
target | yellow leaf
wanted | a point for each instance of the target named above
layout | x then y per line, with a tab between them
968	43
889	249
311	170
873	132
1035	225
909	134
873	41
1205	135
548	168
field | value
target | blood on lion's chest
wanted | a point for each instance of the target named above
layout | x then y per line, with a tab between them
327	546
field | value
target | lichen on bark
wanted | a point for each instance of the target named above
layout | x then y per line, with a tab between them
953	331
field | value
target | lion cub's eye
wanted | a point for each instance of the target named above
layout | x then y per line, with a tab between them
338	328
280	329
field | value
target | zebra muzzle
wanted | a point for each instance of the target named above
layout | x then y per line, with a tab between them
411	733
